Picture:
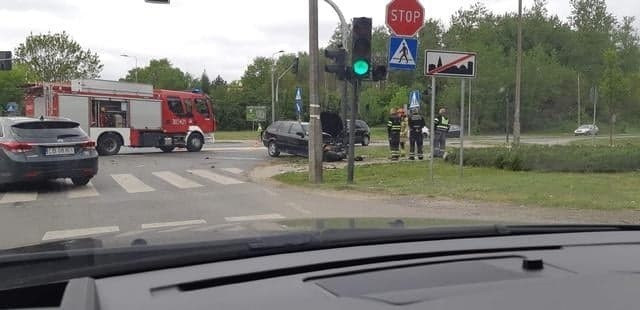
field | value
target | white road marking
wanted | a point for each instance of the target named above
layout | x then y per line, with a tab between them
213	227
175	229
131	184
237	158
172	224
249	148
176	180
218	178
83	191
259	217
298	208
71	233
19	197
233	170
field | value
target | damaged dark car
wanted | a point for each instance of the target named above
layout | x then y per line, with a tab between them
292	137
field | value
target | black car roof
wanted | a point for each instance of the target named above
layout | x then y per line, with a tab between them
24	119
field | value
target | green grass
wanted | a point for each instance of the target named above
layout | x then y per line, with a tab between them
236	135
379	134
604	140
562	190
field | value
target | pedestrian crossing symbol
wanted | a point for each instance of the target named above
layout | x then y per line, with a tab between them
403	53
414	100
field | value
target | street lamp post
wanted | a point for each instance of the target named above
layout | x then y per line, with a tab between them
273	85
136	68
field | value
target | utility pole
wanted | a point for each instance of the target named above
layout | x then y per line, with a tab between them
579	103
315	137
516	112
273	85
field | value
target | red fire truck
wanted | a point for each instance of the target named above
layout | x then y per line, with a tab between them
119	114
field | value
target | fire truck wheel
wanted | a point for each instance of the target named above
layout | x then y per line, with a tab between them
167	149
195	142
108	144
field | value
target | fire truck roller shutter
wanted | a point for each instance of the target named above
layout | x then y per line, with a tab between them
195	139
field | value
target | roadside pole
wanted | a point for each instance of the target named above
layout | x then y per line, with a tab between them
432	126
315	138
461	127
469	116
352	131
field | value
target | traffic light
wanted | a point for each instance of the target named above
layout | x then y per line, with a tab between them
294	67
379	73
361	51
338	55
5	60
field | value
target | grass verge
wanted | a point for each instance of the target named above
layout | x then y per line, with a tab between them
560	190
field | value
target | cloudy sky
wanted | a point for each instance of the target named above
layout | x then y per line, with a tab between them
221	36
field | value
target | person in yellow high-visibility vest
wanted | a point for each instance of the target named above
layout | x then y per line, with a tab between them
393	130
441	123
404	132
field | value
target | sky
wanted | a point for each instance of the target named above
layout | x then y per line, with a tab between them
219	36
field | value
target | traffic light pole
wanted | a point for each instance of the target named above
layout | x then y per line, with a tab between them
352	131
315	137
278	82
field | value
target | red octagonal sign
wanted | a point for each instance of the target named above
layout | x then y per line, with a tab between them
405	17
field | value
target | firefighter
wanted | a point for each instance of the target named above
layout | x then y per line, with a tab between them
441	123
393	130
404	132
416	123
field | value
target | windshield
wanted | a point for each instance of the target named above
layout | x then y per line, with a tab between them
188	117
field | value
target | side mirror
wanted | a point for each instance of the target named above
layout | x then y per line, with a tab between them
300	133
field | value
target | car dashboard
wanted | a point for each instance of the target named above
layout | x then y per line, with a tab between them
547	271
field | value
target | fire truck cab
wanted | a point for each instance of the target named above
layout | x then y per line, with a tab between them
119	114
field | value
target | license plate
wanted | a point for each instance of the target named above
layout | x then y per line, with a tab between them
61	151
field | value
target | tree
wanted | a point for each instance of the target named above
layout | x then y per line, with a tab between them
57	57
11	85
615	88
205	84
162	74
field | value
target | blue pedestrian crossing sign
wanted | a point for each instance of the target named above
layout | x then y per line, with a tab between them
11	107
414	100
403	53
298	100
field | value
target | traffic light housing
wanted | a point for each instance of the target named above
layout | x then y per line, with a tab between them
379	73
5	60
294	67
361	47
338	55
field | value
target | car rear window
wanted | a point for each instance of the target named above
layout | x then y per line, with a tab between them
47	129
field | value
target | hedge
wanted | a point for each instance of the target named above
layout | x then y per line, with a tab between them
564	158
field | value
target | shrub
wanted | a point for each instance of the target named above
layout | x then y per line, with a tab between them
565	158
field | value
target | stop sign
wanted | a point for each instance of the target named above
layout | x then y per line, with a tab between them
405	17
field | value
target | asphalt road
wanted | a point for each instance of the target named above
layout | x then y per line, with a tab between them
143	190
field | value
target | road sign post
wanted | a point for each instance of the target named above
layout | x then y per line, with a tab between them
450	64
405	17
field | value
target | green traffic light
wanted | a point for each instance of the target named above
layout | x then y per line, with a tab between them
361	67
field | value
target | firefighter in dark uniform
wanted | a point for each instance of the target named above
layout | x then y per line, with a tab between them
416	122
440	139
393	130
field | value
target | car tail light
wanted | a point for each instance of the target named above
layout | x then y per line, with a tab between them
16	147
88	145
